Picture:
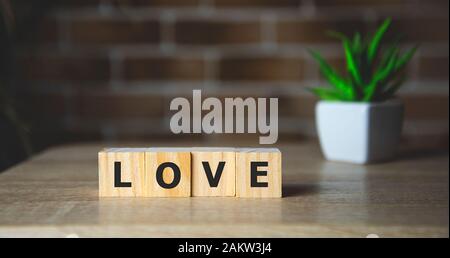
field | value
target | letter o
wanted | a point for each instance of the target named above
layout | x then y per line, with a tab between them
176	175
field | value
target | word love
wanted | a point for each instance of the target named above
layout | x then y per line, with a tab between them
184	172
225	119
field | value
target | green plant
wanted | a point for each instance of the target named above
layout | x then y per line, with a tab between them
373	73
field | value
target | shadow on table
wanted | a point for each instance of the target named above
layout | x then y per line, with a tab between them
290	190
417	154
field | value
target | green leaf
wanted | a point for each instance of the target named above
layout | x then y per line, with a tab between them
357	43
375	42
404	59
392	89
368	78
390	51
388	67
337	35
326	94
381	74
350	53
333	78
351	63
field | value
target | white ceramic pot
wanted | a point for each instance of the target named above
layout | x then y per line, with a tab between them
359	132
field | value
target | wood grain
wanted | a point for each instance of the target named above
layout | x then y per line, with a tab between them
227	183
55	194
132	171
153	159
272	177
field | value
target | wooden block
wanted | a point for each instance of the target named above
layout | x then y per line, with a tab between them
184	172
121	172
168	172
258	173
213	171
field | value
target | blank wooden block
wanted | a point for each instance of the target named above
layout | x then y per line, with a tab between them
258	173
213	171
168	172
121	172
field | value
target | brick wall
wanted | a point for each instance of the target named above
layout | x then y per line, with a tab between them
96	69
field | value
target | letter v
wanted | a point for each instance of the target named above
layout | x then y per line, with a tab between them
213	180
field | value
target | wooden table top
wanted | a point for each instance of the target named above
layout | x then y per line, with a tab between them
55	194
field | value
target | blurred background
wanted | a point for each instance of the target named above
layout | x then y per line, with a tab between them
99	70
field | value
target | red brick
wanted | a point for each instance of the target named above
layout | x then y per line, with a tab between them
156	3
362	3
116	106
76	3
261	69
61	68
163	69
374	4
433	68
338	63
43	31
38	106
208	32
257	3
297	106
162	137
315	31
437	3
430	106
420	30
110	31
